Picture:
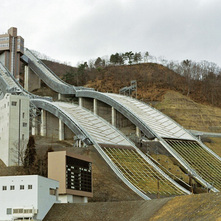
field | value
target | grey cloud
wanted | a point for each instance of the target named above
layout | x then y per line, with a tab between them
79	30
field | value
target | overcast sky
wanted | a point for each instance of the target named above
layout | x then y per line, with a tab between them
78	30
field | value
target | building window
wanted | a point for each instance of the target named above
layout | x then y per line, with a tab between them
4	38
4	187
14	103
52	191
25	124
12	187
28	211
17	211
22	187
9	211
29	187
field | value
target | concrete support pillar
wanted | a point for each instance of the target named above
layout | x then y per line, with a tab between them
26	80
78	142
85	199
80	101
61	130
33	127
43	123
95	106
59	96
31	80
113	116
138	132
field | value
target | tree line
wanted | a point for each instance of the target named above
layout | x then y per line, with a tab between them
203	76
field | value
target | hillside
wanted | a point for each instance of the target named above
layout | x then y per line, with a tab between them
193	207
190	114
58	68
153	80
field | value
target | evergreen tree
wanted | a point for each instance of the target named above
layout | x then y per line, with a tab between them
30	153
137	57
129	56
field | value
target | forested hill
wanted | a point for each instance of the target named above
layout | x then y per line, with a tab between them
199	82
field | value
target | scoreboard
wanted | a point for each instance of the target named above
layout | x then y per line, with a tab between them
78	174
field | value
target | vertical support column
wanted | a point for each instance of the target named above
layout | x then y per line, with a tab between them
80	101
138	132
61	130
113	116
59	96
85	199
95	106
33	127
79	143
26	80
33	123
43	123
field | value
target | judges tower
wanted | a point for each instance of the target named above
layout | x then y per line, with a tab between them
11	49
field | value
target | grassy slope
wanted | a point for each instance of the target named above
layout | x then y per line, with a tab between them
190	114
197	207
215	145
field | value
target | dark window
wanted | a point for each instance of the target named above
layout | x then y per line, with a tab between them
9	211
52	191
14	103
25	124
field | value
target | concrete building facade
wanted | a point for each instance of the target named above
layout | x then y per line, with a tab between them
74	173
26	197
14	128
11	49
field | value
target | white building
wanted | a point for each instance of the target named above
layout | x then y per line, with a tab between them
14	128
26	197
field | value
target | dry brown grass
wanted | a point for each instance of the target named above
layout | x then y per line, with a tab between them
215	145
190	114
197	207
